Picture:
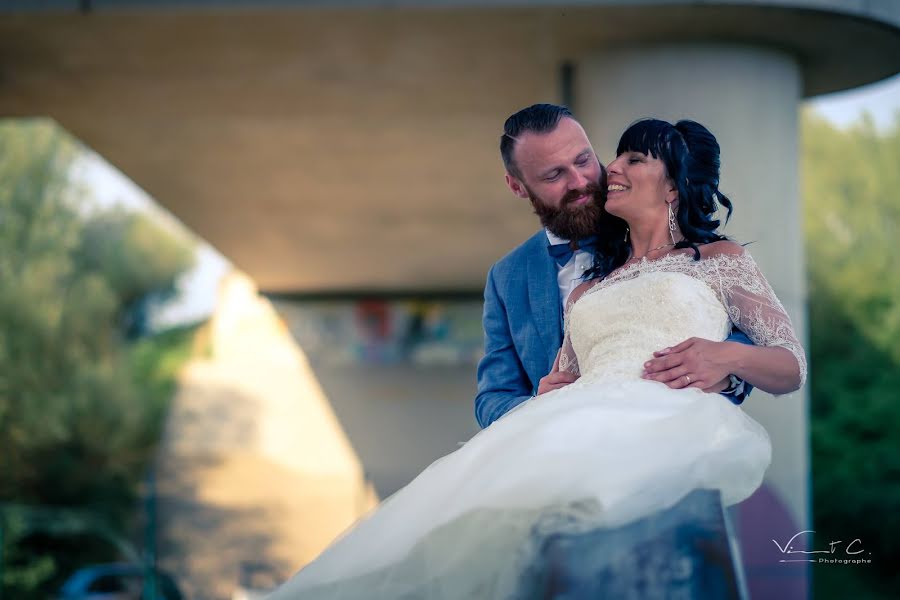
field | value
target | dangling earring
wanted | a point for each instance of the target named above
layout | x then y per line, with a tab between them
626	234
672	224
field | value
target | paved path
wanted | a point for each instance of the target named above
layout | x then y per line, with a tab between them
254	465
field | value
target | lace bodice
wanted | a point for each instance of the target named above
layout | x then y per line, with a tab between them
615	325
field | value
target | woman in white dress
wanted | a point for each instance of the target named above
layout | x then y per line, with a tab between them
613	446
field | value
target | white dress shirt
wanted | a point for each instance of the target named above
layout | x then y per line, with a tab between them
569	275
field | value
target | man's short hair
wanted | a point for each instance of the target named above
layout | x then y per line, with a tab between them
537	118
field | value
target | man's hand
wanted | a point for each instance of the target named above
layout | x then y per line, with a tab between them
695	362
555	380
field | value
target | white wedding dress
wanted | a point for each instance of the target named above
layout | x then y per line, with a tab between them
604	451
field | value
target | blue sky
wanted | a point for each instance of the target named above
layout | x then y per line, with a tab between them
881	99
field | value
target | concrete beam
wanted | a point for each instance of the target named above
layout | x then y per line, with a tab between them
355	149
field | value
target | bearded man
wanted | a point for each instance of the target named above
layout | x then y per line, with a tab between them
550	162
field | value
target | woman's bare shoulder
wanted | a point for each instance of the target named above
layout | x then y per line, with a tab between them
722	248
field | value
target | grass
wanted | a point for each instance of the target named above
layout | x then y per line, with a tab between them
155	363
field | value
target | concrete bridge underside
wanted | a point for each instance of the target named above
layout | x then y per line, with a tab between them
355	148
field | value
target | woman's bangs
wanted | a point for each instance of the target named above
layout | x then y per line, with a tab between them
647	137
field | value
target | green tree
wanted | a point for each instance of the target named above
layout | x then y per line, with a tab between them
77	425
138	259
852	212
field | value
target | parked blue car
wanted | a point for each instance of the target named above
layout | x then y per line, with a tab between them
116	581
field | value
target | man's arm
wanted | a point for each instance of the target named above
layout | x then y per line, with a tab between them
738	390
502	381
555	379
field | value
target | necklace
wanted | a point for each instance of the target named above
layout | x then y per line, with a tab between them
644	256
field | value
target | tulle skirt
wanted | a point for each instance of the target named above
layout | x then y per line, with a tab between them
592	454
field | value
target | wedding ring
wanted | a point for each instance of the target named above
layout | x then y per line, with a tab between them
688	377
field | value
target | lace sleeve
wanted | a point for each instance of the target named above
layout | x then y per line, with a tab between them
753	306
568	362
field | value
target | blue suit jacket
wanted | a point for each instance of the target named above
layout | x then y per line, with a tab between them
523	329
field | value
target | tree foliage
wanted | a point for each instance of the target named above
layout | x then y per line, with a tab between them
852	212
138	260
76	425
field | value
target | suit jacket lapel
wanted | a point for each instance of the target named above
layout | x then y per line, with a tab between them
543	294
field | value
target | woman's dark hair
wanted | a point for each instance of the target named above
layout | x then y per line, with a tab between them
690	154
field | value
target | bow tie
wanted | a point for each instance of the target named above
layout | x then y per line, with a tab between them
562	253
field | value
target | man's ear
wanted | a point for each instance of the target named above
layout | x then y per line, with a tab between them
516	186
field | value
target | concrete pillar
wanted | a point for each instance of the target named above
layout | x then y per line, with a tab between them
748	97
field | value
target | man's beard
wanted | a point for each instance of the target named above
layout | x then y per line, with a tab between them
570	222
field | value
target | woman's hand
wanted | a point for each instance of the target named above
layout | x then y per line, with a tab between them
695	362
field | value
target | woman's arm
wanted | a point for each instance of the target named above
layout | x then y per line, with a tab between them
772	369
704	364
555	379
777	363
565	368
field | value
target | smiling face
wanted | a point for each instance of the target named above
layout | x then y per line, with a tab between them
559	172
638	187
